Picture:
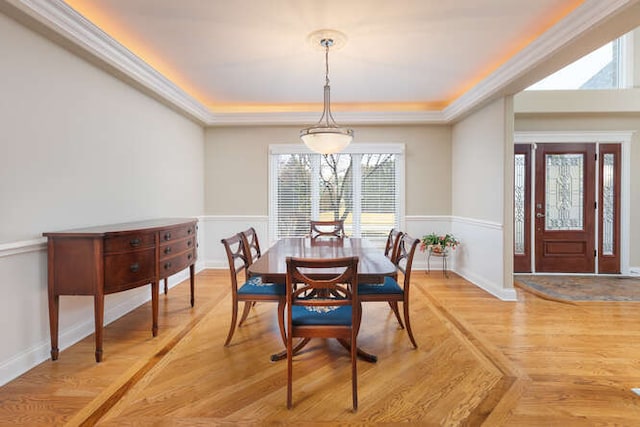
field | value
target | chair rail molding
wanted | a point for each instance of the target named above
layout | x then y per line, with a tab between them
23	246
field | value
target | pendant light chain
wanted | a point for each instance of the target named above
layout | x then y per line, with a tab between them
326	137
326	43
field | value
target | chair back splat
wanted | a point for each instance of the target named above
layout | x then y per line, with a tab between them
248	289
326	229
252	245
391	248
322	302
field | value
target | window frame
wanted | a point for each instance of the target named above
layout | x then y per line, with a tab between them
623	46
360	148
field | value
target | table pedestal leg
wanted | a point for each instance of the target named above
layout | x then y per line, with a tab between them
296	348
367	357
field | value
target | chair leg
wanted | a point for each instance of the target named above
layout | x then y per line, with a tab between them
289	374
234	318
354	372
245	312
405	306
394	307
281	305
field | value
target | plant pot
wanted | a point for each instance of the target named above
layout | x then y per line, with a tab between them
438	249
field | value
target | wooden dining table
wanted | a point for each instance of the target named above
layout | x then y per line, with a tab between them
373	265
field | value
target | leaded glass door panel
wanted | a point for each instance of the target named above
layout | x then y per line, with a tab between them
564	208
522	209
609	208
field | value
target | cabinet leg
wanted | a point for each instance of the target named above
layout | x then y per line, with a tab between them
166	285
154	307
192	272
98	307
54	306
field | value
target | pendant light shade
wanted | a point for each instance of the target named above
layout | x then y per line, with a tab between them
326	137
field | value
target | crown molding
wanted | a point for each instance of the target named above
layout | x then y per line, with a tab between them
60	18
345	118
585	17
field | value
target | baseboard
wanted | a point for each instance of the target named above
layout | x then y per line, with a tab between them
486	285
26	360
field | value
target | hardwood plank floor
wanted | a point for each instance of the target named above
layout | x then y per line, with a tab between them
480	361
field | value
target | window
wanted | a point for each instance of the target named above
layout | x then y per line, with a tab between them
362	185
604	68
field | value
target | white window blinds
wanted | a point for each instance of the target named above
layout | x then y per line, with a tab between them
362	186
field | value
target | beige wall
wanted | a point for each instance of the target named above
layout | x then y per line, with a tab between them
599	122
482	151
236	166
478	168
80	147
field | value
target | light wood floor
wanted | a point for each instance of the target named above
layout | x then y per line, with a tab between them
480	361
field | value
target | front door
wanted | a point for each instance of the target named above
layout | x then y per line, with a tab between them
564	208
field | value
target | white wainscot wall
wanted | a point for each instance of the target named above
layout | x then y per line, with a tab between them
24	308
219	227
479	258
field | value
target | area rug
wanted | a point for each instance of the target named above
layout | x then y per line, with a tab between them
581	288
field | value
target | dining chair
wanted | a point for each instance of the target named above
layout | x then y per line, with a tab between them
390	290
252	288
326	229
326	307
252	249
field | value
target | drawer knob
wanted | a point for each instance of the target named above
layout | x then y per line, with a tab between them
135	242
167	236
189	243
134	267
167	265
189	256
189	231
167	250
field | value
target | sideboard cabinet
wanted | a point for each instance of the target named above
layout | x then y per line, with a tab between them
102	260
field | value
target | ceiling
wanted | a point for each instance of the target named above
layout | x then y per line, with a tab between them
246	61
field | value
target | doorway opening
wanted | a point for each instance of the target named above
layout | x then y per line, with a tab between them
568	210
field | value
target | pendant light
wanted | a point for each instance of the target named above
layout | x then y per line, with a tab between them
326	137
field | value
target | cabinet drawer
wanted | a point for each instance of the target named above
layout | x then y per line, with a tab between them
179	232
173	265
129	241
174	247
128	270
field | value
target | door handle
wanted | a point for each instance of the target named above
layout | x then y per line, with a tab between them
539	215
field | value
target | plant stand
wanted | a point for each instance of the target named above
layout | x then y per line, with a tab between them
442	253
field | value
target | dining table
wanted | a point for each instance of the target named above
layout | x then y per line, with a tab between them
373	266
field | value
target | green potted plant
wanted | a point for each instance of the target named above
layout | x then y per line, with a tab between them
438	243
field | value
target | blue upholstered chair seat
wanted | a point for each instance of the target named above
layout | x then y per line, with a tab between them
255	286
337	315
389	286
